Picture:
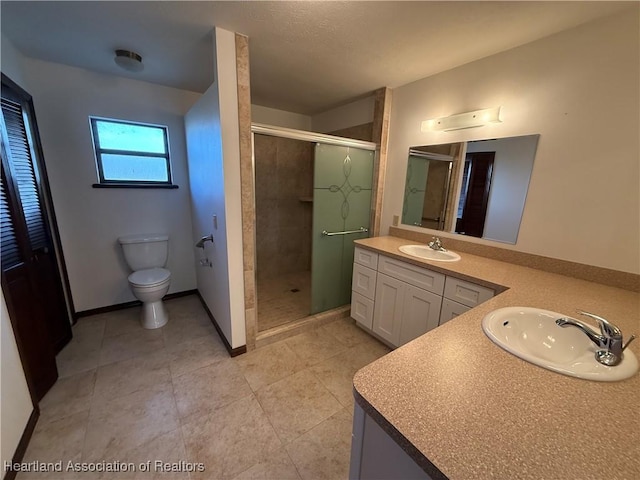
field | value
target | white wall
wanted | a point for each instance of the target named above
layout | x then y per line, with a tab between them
577	89
12	62
350	115
280	118
91	219
214	174
15	401
512	167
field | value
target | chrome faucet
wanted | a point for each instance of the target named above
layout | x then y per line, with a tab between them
436	244
609	340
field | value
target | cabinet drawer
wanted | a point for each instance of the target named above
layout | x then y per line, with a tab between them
362	310
466	293
366	258
364	281
451	309
416	276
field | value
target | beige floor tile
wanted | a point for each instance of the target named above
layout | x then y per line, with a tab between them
122	321
119	425
83	352
185	328
152	460
346	332
121	378
269	364
315	346
138	403
336	373
194	354
324	452
230	440
202	391
296	404
68	396
130	345
188	306
278	466
55	441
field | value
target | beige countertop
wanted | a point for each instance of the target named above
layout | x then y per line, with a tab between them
455	400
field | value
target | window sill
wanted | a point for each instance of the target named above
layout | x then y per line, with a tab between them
133	185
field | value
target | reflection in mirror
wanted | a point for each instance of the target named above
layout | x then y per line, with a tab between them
475	188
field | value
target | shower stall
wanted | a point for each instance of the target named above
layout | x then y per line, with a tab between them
313	199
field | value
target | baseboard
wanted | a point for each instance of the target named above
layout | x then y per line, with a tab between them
234	352
134	303
21	449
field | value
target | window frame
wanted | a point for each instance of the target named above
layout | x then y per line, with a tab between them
99	151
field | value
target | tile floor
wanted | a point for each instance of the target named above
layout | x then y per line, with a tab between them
278	304
174	395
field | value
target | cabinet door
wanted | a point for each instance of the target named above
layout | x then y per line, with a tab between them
451	309
387	314
420	313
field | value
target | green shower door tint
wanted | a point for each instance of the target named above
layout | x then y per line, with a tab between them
341	202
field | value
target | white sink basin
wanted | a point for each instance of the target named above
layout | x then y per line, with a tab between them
532	334
428	253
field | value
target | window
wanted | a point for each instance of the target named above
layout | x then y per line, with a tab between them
130	154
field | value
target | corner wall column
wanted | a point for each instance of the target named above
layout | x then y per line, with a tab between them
381	117
247	188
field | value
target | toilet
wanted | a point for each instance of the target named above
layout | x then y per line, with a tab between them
146	256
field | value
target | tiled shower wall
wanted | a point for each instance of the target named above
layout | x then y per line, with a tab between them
284	188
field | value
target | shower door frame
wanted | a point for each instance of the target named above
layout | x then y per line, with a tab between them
304	135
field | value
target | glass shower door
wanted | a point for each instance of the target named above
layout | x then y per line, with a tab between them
342	186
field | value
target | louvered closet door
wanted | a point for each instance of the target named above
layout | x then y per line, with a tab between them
26	179
31	282
27	312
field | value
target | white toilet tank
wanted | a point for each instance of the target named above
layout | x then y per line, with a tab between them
145	251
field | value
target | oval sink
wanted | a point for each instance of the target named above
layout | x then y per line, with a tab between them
428	253
532	335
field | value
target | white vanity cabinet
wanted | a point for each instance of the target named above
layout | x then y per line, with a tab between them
407	301
399	301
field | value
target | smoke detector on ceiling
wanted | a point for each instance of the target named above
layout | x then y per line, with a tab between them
129	61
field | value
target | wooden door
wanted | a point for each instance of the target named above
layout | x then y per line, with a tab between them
477	199
31	281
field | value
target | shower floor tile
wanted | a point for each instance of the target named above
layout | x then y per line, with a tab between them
283	299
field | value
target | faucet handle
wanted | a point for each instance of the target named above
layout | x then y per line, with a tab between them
607	328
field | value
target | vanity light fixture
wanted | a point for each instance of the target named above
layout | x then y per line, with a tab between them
128	60
460	121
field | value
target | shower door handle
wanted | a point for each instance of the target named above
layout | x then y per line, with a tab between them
347	232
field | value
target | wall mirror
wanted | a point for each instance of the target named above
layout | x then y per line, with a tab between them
475	188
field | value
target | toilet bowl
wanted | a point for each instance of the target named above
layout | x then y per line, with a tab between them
146	255
149	286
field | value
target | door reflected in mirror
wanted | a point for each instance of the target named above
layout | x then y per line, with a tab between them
475	188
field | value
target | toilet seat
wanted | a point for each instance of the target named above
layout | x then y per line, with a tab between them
150	277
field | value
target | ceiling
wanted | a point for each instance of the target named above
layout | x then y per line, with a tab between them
306	56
